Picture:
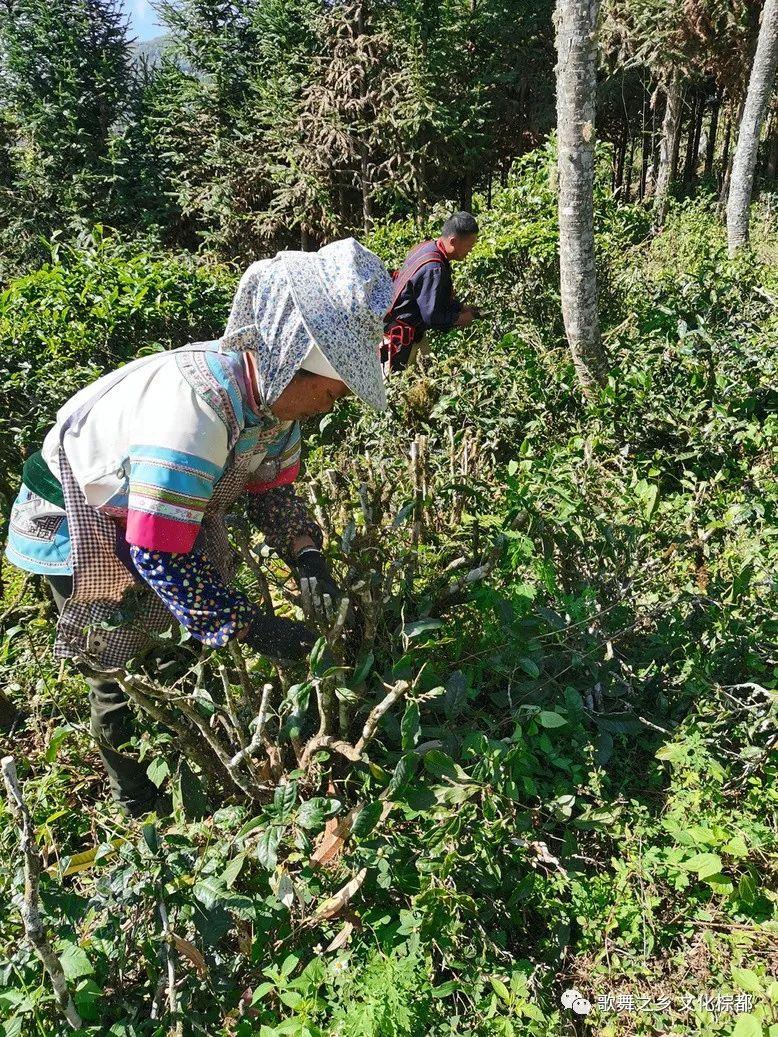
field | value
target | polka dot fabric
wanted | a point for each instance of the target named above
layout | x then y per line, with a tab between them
191	588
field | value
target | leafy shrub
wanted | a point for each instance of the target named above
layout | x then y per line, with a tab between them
86	312
579	789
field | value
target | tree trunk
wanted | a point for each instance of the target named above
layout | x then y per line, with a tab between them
576	28
689	156
713	129
627	186
367	201
423	191
724	174
466	193
617	170
668	149
644	153
771	172
655	142
694	156
759	89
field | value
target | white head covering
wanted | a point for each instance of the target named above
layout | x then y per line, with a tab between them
334	299
317	363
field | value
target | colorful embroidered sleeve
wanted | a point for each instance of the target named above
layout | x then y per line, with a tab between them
282	517
281	462
273	506
168	493
195	593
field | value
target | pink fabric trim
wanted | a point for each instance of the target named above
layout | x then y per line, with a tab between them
288	475
156	533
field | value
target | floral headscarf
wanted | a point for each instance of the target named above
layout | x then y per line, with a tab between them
335	298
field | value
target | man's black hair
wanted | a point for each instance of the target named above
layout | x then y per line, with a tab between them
461	224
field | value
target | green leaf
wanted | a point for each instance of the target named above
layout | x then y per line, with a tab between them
158	770
74	960
284	799
403	773
88	1000
252	824
314	811
367	819
231	872
289	964
500	989
736	847
455	699
677	753
648	495
439	764
444	989
56	738
190	789
747	1026
317	653
746	980
705	864
455	795
410	726
267	847
151	837
529	666
547	718
363	669
421	626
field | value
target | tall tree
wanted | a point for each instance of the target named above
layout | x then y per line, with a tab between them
66	87
744	164
668	148
576	28
683	45
198	113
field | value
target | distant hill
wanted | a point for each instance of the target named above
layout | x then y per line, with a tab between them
151	50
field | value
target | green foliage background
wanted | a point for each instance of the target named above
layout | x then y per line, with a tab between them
598	809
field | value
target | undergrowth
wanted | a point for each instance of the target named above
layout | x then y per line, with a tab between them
578	790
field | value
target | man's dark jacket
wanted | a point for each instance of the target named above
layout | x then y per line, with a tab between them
427	300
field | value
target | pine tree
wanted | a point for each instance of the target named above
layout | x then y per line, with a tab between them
66	86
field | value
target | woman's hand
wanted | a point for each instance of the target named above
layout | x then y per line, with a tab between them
319	591
278	638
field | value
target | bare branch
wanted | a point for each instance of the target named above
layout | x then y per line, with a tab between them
30	906
371	724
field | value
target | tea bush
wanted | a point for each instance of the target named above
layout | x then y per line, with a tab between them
87	311
577	787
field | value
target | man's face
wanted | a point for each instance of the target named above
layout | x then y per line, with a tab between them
462	244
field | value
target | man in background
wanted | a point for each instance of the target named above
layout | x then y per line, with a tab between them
424	293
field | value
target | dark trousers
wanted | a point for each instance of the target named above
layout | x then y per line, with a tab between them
112	726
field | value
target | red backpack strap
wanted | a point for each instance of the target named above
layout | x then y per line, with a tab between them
410	268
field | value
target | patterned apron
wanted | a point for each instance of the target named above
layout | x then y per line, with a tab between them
112	615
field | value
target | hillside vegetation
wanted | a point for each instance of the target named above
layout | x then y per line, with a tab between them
578	790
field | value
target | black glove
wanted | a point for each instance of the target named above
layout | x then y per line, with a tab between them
278	638
319	591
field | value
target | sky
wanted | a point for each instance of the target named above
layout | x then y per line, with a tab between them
143	20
